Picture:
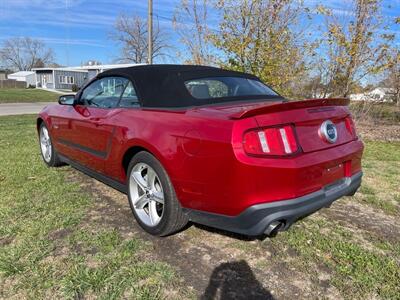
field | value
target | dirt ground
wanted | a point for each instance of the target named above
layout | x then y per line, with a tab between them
379	131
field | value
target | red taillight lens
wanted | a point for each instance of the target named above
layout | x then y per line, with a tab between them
279	141
351	128
251	142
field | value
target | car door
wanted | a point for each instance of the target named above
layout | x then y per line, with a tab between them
90	135
130	105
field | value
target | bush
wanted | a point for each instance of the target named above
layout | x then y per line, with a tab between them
74	88
375	111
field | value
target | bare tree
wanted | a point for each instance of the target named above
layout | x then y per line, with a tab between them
191	23
392	80
25	53
131	33
353	46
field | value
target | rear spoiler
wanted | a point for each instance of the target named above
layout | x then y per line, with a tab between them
271	108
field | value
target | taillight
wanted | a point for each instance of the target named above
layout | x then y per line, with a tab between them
351	128
277	141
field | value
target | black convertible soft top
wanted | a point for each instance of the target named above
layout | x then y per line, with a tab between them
163	85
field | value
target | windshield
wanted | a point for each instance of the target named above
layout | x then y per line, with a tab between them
227	87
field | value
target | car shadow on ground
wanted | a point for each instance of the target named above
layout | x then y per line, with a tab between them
235	280
233	235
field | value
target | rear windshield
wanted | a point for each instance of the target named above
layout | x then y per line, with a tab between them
228	87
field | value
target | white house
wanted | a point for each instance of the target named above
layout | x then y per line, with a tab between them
93	70
64	78
59	78
378	94
26	76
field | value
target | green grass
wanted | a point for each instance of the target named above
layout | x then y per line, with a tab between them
381	165
26	95
382	151
46	249
357	272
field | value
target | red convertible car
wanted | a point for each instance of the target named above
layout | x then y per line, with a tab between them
202	144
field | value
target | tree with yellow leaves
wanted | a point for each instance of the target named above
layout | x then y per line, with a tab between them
353	46
263	38
392	78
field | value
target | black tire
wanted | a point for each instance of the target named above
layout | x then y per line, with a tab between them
54	158
173	218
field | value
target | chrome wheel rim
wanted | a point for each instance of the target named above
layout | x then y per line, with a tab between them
147	196
45	144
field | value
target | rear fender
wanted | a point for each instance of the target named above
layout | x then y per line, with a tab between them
149	148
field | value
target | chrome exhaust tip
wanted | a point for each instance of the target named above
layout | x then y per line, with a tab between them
273	228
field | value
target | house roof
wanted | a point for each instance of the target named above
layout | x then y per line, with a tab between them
21	74
103	67
376	91
382	90
59	69
87	68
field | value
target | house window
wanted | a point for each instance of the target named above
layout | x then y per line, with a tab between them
67	79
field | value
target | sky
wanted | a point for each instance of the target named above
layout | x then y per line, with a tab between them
81	30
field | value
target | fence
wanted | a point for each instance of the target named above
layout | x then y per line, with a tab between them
12	84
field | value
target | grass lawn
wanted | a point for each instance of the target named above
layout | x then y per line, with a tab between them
381	184
45	251
26	95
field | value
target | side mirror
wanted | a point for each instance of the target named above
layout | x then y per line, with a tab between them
66	100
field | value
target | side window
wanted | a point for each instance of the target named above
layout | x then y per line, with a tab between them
129	97
105	92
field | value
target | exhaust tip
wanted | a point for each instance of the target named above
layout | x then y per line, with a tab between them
273	228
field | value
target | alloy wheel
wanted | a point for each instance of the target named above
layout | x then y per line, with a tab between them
45	144
147	194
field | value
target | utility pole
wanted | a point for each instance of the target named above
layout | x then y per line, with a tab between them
150	33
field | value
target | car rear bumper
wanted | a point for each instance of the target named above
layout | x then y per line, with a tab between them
255	220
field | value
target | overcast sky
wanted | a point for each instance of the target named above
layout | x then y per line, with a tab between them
79	30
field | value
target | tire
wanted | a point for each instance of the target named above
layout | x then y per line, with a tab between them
152	196
49	154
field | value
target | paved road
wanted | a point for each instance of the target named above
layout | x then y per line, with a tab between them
8	109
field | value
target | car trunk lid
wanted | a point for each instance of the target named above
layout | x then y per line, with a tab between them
308	118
